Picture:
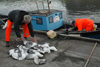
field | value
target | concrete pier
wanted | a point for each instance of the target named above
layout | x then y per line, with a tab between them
71	52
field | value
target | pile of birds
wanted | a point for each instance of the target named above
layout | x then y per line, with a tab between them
31	50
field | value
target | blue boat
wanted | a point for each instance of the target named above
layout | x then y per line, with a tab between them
46	20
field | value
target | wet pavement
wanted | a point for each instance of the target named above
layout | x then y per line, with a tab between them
71	52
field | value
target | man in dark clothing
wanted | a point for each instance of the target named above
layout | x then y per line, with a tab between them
19	17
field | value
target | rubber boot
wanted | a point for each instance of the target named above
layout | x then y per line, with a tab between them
7	44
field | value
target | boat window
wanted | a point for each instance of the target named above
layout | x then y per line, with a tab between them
51	19
56	14
39	21
61	15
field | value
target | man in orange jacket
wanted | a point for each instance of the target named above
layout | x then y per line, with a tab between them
83	23
19	17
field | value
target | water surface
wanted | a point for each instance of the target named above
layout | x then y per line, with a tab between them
72	9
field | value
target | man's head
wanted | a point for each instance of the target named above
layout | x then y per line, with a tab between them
27	19
73	23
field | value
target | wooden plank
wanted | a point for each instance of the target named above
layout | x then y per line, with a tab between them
37	31
77	35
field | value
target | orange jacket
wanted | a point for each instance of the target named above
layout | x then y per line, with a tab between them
84	23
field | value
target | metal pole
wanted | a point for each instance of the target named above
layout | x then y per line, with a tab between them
42	4
37	6
48	5
90	54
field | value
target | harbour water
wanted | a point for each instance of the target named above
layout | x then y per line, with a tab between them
72	9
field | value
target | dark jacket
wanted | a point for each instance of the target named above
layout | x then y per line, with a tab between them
16	16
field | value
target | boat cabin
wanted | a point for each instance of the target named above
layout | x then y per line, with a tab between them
46	20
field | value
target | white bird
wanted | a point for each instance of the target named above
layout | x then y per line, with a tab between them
13	53
42	61
37	53
29	44
46	50
15	56
31	56
36	61
41	51
45	45
23	52
52	48
25	41
34	44
39	61
18	53
34	54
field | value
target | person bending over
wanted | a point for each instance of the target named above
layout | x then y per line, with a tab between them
19	17
83	23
